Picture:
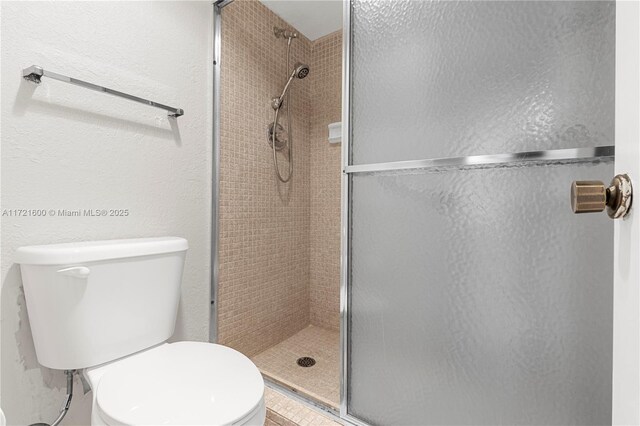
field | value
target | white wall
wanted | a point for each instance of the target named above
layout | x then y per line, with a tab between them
65	147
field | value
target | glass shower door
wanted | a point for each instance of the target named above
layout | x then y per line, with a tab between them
476	296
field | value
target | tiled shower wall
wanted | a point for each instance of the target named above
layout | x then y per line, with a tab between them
325	170
263	290
266	290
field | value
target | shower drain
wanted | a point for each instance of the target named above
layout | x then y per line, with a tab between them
306	361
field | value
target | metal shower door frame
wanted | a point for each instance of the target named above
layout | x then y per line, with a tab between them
345	252
215	175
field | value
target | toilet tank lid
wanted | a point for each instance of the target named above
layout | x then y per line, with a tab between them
88	251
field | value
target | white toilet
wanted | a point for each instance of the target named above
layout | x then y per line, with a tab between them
108	307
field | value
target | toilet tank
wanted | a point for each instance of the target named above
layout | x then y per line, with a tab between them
93	302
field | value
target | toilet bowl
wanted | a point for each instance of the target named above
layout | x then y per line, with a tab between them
179	383
108	308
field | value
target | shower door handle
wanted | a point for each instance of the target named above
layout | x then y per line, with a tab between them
589	196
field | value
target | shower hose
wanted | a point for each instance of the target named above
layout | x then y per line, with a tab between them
289	133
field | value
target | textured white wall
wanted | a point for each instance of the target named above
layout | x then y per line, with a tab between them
65	147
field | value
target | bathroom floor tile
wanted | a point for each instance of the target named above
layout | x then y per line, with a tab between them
321	381
284	411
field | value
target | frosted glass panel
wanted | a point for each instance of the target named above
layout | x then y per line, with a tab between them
447	78
478	297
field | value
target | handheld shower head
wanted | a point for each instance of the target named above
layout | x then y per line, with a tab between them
300	71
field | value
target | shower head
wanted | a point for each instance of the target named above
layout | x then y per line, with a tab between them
300	71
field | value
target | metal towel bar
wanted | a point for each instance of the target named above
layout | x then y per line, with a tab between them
35	73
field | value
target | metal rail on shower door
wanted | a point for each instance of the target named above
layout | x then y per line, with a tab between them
598	153
35	73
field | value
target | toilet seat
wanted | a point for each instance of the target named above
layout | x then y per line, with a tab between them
180	383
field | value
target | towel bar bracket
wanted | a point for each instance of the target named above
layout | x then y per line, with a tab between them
34	74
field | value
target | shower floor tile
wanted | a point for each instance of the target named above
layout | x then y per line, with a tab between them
321	381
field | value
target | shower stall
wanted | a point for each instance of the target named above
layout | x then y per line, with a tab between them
277	288
469	291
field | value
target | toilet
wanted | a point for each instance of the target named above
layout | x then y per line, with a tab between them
108	308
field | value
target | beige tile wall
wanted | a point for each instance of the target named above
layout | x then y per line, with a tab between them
263	288
279	243
325	170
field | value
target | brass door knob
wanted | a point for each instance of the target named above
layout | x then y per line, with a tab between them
588	196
